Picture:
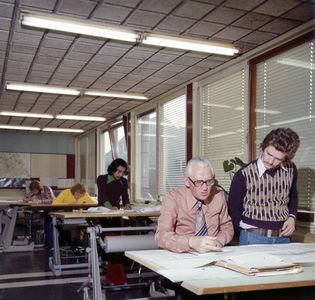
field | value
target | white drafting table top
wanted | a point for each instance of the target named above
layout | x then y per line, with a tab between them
232	284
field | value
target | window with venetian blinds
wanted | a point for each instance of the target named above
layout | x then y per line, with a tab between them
172	146
284	99
223	123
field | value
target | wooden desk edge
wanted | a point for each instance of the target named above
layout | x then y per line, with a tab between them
99	215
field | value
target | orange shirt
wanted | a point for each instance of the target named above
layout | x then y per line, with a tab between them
177	221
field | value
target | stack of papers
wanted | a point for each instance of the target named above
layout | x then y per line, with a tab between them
153	208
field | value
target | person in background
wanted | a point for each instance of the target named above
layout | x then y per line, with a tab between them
112	187
40	193
77	194
263	198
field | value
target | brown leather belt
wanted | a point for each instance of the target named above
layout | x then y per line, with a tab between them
265	232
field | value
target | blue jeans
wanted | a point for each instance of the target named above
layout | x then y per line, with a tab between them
249	238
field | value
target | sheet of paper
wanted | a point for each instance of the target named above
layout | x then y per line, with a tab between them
255	260
185	263
199	273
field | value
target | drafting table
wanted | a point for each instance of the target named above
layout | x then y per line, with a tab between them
7	236
76	218
230	282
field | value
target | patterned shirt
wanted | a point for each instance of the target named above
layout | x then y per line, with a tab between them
46	195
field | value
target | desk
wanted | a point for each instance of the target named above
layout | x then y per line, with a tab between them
93	232
232	281
79	218
7	237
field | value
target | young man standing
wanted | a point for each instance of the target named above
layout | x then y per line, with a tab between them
263	198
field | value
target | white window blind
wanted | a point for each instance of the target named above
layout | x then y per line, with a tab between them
146	156
223	123
172	144
284	99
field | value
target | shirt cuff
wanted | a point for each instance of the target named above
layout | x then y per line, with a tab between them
293	216
107	203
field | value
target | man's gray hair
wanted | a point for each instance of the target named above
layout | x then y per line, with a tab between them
200	162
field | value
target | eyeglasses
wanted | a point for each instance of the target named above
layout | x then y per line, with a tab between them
121	172
199	183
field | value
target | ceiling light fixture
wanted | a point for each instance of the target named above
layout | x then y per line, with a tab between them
28	87
189	44
62	129
84	27
115	94
38	88
81	118
18	127
54	22
25	114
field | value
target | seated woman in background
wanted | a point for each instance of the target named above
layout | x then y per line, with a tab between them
77	194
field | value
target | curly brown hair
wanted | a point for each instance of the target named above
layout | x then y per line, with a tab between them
36	185
79	188
283	139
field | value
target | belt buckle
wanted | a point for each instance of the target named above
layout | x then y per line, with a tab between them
269	233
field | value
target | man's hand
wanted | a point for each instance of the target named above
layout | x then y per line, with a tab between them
125	207
112	207
203	244
288	227
33	200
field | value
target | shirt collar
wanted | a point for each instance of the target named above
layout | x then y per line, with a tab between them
111	178
262	169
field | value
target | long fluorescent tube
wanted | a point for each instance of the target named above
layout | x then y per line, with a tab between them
82	118
62	129
115	94
19	127
90	28
79	27
25	114
28	87
189	44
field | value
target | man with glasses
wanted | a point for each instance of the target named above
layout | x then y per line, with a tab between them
263	199
195	217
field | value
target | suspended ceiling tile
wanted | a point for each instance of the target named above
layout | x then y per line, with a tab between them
209	63
6	9
174	68
142	71
161	6
193	10
78	8
243	5
14	77
4	35
205	29
280	26
252	21
17	71
79	56
43	4
56	43
165	74
276	7
108	12
21	57
175	24
44	67
224	15
144	18
258	37
59	82
303	13
26	39
121	70
86	47
3	46
23	49
5	23
232	33
186	61
127	62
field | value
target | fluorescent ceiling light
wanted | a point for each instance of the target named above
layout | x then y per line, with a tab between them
25	114
28	87
62	129
115	94
18	127
81	118
295	63
189	44
58	23
54	22
267	111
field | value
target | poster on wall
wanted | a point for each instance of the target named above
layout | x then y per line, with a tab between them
15	165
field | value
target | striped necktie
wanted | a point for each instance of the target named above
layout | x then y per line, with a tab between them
201	225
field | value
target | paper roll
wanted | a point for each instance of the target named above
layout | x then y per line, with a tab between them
124	243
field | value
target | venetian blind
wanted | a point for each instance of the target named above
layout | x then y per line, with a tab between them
284	99
172	144
223	123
